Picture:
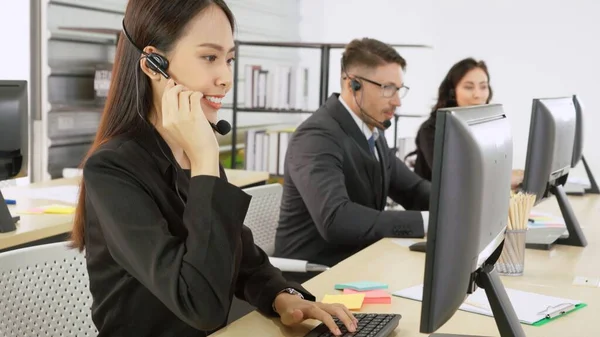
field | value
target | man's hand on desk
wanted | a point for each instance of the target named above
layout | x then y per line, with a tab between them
294	310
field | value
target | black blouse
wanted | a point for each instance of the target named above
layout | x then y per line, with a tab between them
425	141
166	253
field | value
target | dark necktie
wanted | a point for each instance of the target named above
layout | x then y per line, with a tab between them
371	142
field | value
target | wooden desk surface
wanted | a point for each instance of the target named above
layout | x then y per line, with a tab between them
40	226
546	272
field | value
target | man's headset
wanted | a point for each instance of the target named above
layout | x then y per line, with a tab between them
355	85
160	64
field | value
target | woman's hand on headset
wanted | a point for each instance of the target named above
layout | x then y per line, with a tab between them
187	126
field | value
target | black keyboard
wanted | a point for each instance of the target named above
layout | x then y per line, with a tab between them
369	325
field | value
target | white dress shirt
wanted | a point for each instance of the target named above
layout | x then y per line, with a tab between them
363	126
375	132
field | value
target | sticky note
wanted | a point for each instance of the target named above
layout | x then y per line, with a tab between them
50	209
351	301
58	209
361	285
373	296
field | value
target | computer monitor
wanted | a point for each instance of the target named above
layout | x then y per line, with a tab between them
578	147
14	135
470	195
549	158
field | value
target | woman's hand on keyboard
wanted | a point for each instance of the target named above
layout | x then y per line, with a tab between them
294	310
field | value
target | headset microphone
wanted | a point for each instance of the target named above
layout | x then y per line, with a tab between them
223	127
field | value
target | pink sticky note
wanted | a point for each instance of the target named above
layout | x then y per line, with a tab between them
372	296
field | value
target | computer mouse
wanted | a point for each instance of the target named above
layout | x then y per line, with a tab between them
418	247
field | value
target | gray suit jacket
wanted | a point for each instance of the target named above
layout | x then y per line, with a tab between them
335	191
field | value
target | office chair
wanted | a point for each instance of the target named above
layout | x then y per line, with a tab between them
44	292
262	219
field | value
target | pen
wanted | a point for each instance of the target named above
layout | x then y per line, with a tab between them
10	201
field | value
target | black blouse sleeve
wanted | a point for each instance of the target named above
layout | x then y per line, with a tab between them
426	141
193	277
259	282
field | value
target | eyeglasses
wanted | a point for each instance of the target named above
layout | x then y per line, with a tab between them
388	90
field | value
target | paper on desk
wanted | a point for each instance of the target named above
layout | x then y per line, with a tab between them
529	307
351	301
582	181
68	194
403	242
545	220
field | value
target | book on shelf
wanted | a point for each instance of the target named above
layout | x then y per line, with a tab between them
277	87
266	148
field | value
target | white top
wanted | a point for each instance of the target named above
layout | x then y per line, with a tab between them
367	132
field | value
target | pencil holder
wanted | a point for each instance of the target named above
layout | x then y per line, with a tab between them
512	259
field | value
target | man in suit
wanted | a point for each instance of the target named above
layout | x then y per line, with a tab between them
339	169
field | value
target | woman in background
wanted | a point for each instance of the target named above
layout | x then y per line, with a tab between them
162	229
466	84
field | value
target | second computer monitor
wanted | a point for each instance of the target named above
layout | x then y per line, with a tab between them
470	195
550	156
550	146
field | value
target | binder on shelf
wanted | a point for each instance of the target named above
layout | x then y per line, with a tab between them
266	148
278	87
531	308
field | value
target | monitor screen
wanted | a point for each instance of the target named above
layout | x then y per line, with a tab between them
14	128
578	147
550	146
469	205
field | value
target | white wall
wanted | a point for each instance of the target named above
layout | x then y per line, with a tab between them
529	54
14	36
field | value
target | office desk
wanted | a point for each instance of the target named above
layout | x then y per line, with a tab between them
546	272
55	227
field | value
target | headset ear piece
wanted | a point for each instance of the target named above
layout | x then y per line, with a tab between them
355	85
157	63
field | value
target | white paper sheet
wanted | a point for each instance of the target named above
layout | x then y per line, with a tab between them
529	307
68	194
288	265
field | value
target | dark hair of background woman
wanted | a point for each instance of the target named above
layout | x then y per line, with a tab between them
157	23
446	91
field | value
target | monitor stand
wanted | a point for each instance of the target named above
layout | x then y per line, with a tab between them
593	185
576	236
504	314
7	222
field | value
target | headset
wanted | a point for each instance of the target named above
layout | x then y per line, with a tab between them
160	64
355	85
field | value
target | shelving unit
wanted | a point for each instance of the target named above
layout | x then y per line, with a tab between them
325	49
71	39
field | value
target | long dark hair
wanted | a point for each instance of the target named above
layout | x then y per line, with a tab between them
158	23
447	90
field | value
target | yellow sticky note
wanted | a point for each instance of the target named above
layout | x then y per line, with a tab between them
59	209
351	301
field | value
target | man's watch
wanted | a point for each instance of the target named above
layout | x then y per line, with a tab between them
290	291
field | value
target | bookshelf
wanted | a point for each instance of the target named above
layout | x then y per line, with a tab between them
325	53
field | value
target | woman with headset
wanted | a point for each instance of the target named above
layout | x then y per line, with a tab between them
466	84
162	229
